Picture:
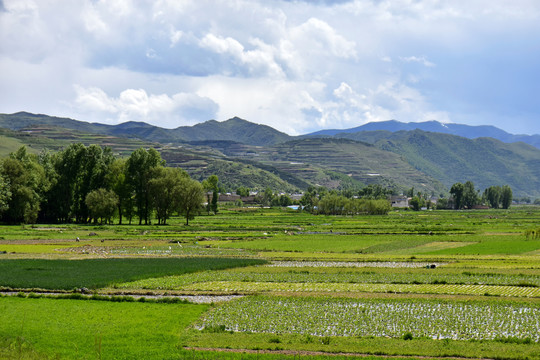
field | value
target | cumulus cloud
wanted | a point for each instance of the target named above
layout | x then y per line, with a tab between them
390	100
136	105
319	37
258	62
294	65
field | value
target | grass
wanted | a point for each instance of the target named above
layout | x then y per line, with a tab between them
76	329
278	277
483	258
413	349
304	243
491	246
96	273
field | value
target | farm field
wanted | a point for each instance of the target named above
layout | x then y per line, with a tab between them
416	284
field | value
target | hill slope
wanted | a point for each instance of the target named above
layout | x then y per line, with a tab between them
257	156
234	129
354	161
451	159
467	131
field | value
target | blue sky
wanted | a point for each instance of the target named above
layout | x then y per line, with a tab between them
298	66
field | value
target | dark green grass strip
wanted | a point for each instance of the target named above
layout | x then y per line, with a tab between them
96	273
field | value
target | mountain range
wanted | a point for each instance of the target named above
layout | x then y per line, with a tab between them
428	156
467	131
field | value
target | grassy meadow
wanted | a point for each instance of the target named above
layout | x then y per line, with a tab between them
414	284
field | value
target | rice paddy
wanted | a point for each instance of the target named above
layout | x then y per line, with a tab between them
463	284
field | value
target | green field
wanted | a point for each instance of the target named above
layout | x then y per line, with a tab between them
433	284
89	329
98	273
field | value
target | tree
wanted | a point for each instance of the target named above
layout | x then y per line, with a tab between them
26	182
309	200
116	180
101	204
268	197
5	193
165	190
492	196
506	197
333	204
140	169
190	198
442	203
74	172
215	198
242	191
470	197
282	200
210	185
416	203
375	191
457	194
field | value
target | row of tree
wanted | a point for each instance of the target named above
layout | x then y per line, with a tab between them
88	183
372	200
465	196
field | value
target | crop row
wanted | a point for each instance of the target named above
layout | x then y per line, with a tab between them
388	318
352	264
238	286
348	277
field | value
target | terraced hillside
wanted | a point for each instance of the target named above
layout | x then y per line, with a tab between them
451	159
360	161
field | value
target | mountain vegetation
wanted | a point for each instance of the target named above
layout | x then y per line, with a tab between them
450	158
244	154
467	131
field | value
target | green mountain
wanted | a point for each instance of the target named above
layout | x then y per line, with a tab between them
345	163
257	156
467	131
234	129
451	159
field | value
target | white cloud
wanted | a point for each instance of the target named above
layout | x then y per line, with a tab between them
295	65
137	105
319	37
418	59
258	62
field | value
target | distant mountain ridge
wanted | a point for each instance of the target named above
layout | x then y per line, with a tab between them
234	129
243	131
248	154
467	131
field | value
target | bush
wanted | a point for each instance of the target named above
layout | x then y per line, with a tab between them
407	336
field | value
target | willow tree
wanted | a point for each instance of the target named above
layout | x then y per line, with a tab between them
190	198
140	169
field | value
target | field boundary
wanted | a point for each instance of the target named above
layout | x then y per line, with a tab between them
323	353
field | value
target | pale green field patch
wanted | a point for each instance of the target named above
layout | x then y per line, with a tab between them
433	246
453	289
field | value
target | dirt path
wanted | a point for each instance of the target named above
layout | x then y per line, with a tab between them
322	353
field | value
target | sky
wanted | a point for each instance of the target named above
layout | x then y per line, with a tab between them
298	66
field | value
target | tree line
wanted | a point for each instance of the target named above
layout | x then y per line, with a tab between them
371	200
89	184
466	196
